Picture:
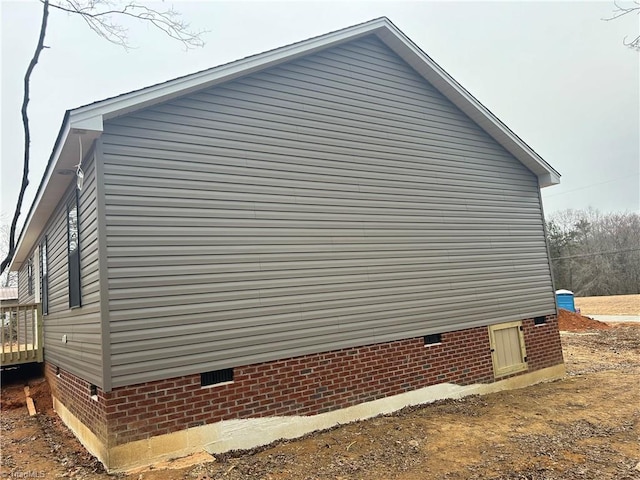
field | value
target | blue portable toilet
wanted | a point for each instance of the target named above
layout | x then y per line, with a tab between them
565	300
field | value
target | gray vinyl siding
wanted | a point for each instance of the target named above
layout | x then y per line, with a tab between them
333	201
82	354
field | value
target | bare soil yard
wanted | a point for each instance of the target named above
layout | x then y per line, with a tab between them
585	426
609	305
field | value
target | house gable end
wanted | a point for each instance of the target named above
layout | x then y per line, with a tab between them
332	201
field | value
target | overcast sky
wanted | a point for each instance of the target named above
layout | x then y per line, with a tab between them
555	73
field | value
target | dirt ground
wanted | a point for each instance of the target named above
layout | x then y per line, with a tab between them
585	426
609	305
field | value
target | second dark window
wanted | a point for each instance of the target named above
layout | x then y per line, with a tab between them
73	252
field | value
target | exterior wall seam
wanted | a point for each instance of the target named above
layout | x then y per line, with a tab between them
105	324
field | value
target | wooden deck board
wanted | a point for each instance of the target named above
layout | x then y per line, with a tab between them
15	347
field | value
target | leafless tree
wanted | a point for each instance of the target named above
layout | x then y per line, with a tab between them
621	11
7	279
595	253
103	17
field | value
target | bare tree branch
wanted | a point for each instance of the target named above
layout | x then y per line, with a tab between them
7	279
634	44
101	17
27	136
621	11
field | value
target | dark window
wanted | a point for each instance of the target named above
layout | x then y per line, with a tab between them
93	390
44	276
30	276
433	339
540	320
216	376
73	252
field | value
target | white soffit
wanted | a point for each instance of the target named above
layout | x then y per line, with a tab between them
66	156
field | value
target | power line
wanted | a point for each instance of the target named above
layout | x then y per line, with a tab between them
617	179
597	253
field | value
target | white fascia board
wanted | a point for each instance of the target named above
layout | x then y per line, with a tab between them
18	256
451	89
93	123
548	179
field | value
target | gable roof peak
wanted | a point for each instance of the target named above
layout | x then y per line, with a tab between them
90	117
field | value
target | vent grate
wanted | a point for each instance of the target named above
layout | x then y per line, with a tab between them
216	376
433	339
540	320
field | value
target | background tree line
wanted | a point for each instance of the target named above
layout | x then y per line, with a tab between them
594	253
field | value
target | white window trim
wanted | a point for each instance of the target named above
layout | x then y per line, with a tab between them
36	274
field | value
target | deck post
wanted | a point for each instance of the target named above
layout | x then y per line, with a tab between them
39	335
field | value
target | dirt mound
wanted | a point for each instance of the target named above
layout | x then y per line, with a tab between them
11	403
41	394
13	396
574	322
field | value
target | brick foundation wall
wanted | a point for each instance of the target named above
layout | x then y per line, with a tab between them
305	385
543	343
75	394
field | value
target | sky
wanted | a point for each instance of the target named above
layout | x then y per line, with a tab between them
556	73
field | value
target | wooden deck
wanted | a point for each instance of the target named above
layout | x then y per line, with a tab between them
20	334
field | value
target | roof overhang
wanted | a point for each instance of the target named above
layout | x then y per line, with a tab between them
58	176
85	123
